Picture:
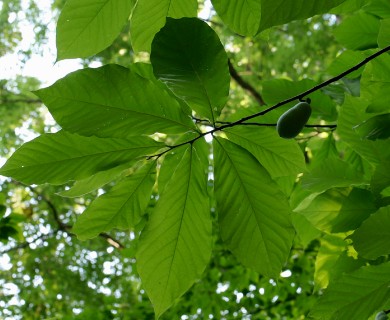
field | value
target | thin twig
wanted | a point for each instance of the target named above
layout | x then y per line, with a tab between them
245	85
258	114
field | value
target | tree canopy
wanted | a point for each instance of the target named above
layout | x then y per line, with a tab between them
157	185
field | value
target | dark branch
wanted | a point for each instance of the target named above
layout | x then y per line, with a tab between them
258	114
245	85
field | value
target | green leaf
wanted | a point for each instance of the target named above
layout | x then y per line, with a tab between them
332	172
380	8
347	59
377	127
60	157
353	113
121	207
340	210
243	17
276	12
175	247
254	216
149	16
123	104
279	157
94	182
380	180
384	33
86	27
188	56
372	239
358	32
356	295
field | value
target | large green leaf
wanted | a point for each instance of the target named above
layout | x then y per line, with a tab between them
276	12
149	17
254	216
175	247
372	239
188	56
377	127
121	207
340	209
242	17
384	33
86	27
358	32
380	180
356	295
112	101
279	156
60	157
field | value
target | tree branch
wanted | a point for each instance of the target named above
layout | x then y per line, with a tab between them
245	85
279	104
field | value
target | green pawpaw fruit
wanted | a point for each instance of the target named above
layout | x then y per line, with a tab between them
291	123
381	316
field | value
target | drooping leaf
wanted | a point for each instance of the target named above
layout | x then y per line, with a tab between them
175	247
94	182
371	240
276	12
358	32
121	207
123	104
377	127
188	56
86	27
356	295
279	156
254	216
60	157
149	16
243	17
340	209
333	260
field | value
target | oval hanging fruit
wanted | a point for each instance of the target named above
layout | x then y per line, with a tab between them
291	123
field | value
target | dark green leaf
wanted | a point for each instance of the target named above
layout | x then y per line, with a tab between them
188	56
377	127
254	216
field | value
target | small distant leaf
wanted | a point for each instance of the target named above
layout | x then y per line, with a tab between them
372	239
243	17
254	215
356	295
86	27
377	127
60	157
149	17
279	156
188	56
340	210
121	207
276	12
123	104
175	246
358	32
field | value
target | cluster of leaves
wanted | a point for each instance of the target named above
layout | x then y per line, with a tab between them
145	127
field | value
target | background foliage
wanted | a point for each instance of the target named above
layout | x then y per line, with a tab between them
163	177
